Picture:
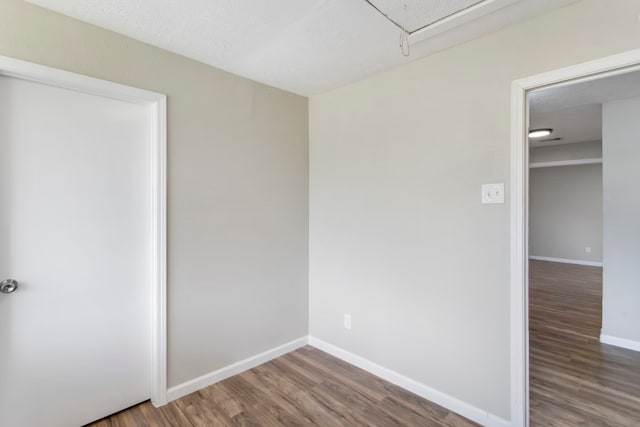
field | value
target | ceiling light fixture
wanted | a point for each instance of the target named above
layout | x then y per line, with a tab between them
540	133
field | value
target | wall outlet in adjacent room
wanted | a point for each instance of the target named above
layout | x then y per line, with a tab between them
347	321
588	249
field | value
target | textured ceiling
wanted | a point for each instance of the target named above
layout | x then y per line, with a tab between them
597	91
303	46
420	13
574	111
574	124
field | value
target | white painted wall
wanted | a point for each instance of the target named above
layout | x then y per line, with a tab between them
565	208
565	204
621	175
398	237
238	189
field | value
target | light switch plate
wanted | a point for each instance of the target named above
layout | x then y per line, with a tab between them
492	193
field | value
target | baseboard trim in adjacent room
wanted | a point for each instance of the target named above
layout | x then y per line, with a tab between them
566	261
435	396
620	342
205	380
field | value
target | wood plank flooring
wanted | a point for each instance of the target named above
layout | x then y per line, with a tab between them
304	388
575	380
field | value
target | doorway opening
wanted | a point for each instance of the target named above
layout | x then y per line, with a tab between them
574	353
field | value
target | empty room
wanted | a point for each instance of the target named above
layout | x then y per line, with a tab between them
319	212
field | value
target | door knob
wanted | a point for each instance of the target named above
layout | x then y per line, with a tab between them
8	286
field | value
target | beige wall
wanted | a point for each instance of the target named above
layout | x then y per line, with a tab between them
238	171
398	237
621	175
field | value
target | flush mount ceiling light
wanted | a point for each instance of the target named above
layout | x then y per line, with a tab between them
540	133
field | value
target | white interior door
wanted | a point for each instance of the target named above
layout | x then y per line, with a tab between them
75	208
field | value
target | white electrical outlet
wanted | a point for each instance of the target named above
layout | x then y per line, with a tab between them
492	193
588	249
347	321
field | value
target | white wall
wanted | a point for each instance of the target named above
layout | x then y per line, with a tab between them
398	237
621	176
565	208
238	189
565	204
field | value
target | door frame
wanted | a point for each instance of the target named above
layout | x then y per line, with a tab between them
157	105
519	313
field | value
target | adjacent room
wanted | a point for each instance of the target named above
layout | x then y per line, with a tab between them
584	359
313	212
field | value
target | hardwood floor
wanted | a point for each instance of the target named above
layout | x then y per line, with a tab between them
304	388
575	380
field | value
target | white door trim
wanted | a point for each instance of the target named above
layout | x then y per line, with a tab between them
156	102
605	67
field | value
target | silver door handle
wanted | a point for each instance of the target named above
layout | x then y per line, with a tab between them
8	286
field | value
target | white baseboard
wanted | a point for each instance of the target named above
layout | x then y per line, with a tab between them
566	261
236	368
442	399
620	342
